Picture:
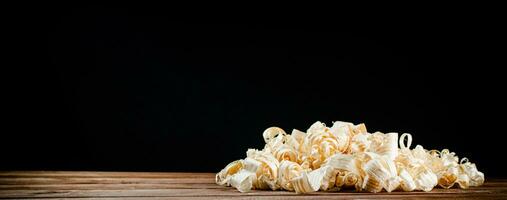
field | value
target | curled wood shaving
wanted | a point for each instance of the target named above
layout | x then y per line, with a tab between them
346	156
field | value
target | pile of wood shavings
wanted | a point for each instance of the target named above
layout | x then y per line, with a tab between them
346	156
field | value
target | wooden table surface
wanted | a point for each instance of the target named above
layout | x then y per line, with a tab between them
163	185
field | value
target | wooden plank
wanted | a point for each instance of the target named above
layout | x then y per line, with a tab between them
161	185
276	197
84	174
128	186
109	186
229	192
224	193
95	180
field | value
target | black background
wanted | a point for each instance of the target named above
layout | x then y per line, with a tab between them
142	89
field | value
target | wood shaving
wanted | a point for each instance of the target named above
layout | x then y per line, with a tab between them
346	156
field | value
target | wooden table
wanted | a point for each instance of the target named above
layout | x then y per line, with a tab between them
149	185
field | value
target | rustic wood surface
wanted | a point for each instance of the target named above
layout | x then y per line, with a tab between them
162	185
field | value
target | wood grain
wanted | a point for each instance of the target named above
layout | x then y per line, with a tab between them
162	185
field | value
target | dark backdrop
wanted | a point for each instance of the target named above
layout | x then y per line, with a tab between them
133	89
